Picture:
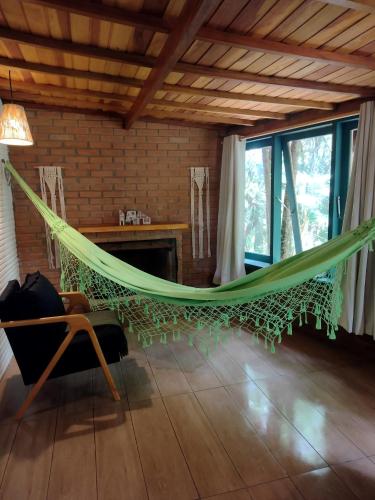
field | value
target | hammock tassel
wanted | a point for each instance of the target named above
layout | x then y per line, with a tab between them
146	310
318	324
273	350
176	336
131	330
290	329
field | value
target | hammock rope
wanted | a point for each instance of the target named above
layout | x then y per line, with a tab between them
267	302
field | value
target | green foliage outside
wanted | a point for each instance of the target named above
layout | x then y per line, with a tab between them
311	163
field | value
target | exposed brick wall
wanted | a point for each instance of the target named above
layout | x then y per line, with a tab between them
107	168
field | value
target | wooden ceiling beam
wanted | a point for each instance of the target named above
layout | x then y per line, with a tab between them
207	34
285	49
79	49
295	120
147	61
207	108
202	70
197	117
115	110
236	96
367	6
20	88
192	17
243	76
182	123
74	73
108	13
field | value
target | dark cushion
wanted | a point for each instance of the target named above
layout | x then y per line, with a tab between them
8	301
33	345
80	354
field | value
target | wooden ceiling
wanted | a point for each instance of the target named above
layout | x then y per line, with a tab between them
246	65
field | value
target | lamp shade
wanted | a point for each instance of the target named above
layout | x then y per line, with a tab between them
14	128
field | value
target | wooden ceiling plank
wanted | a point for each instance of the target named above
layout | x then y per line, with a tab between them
282	49
272	80
194	14
247	97
29	88
109	13
197	117
348	108
361	5
219	109
80	49
74	73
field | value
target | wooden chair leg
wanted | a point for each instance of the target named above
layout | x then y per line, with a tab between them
51	365
104	365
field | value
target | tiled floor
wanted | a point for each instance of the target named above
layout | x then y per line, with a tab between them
242	424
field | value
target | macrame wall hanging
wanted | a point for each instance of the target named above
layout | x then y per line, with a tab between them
200	178
51	185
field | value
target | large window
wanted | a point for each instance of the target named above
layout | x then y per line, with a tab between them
258	198
296	186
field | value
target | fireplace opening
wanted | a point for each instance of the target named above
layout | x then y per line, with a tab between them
156	257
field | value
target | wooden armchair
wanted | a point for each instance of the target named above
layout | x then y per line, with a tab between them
82	337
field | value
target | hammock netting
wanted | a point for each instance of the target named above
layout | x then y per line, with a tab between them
267	302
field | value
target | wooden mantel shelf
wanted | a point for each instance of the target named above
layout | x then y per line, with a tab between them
131	228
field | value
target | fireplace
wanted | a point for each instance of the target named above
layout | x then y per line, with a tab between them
154	248
157	257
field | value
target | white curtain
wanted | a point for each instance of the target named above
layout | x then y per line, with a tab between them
230	231
8	250
358	314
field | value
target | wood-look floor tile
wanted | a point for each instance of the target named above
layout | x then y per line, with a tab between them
351	418
168	374
232	495
359	477
139	380
247	451
227	369
194	366
27	472
7	435
322	484
287	445
245	356
284	363
73	471
209	464
314	426
117	460
165	470
283	489
12	392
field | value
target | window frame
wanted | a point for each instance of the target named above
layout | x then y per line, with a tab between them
339	176
256	144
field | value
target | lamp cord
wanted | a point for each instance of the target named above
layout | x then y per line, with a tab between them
10	86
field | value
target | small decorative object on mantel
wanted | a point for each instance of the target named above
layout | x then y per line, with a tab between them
136	218
50	179
200	177
121	218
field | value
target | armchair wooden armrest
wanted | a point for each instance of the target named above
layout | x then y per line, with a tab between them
76	323
75	299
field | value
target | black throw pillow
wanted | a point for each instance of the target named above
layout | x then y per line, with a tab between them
39	298
8	301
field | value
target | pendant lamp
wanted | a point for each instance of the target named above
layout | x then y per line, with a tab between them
14	128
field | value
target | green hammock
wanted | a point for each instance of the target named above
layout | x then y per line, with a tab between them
267	302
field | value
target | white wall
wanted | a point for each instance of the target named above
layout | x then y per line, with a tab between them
8	250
